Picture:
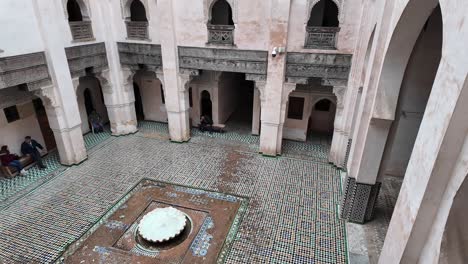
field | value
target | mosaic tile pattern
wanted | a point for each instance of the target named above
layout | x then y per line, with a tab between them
11	187
315	148
292	216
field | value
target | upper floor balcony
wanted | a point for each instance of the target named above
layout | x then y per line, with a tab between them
321	37
221	34
137	30
81	30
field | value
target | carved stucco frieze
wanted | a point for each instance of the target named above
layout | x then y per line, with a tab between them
331	68
242	61
30	69
135	54
86	56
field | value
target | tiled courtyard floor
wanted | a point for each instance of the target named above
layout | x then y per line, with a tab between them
292	216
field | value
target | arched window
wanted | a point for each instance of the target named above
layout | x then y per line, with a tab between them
322	26
74	11
80	26
137	11
221	13
137	22
221	25
324	14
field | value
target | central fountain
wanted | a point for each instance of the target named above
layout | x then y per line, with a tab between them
162	224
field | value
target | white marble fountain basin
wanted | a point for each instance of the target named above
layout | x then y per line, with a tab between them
161	224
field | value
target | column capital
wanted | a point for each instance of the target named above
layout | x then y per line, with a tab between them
339	92
104	80
48	96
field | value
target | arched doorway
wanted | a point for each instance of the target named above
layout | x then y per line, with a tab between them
322	118
206	104
404	87
414	94
138	103
74	11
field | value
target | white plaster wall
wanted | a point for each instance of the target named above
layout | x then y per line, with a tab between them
151	97
12	134
295	129
414	93
20	30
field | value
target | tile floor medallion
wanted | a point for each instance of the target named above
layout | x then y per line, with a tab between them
292	215
212	222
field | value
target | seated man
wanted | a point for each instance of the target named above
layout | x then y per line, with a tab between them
96	121
206	124
29	147
11	160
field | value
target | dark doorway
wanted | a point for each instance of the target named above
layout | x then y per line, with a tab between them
324	14
206	105
88	100
137	11
43	121
74	11
138	103
221	13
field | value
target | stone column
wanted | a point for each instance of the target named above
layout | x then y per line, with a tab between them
271	116
120	103
68	135
178	108
60	99
256	111
175	81
337	153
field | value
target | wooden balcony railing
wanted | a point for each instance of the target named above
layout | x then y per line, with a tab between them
221	34
81	30
321	37
137	30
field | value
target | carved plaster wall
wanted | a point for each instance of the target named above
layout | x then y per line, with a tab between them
86	56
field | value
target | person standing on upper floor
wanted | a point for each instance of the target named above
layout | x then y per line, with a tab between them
29	147
12	160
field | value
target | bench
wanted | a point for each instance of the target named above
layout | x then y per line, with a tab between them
26	161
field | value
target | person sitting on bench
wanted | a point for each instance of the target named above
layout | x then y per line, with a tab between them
11	160
96	121
206	124
29	147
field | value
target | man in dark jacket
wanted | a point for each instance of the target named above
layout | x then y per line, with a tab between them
29	147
